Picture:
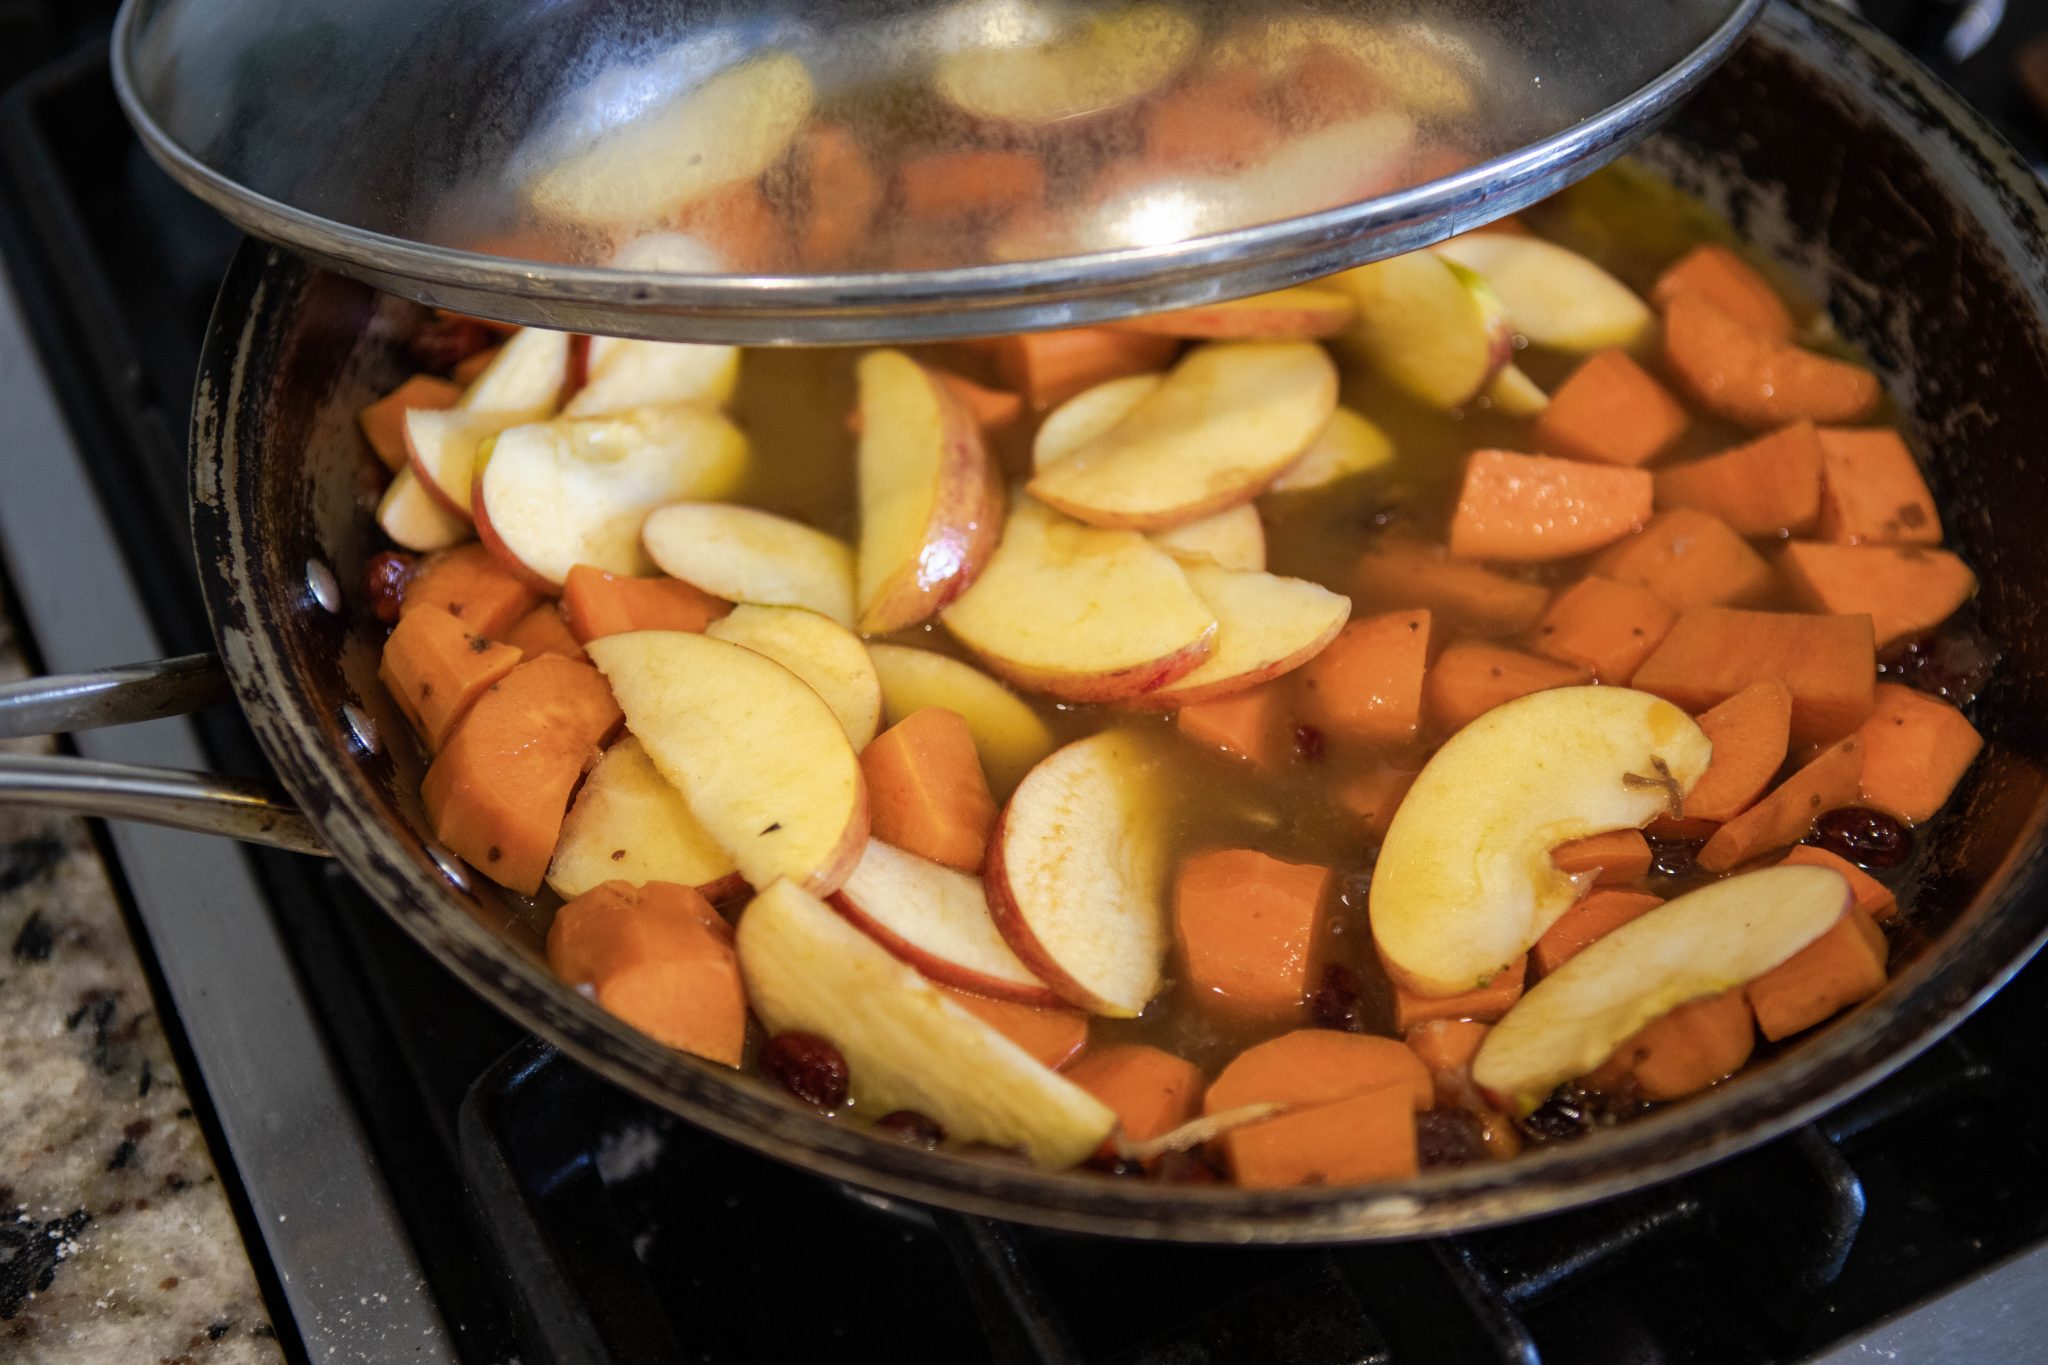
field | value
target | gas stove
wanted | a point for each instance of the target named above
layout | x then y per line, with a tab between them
449	1190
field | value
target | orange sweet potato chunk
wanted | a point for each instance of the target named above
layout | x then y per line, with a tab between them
1684	1051
1399	572
1484	1003
1151	1090
1048	368
1367	684
1604	625
1841	967
1353	1141
1764	488
1245	924
1873	897
927	793
841	194
1250	725
435	669
1447	1046
1053	1036
1537	507
1785	816
1915	749
383	422
1731	284
1614	858
600	604
1750	732
1318	1066
1906	590
971	182
1748	378
1471	678
1689	559
1828	663
544	630
1211	124
1872	492
1592	918
1374	795
660	958
469	583
1611	411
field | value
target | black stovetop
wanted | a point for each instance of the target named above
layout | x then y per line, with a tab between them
559	1219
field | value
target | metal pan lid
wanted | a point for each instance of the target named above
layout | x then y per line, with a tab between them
733	170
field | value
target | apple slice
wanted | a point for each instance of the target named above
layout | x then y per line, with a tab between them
1008	734
552	495
1464	884
1102	61
1227	420
1349	446
826	655
522	384
1076	873
1089	414
524	380
746	555
758	756
1553	296
931	507
415	518
1235	540
1722	936
1081	613
907	1044
725	129
1265	626
626	374
1303	313
937	920
1515	394
1433	328
630	824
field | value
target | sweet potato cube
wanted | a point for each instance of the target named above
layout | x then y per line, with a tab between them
1689	559
1604	625
1053	1036
1787	814
1906	590
1829	663
600	604
1749	378
1873	897
660	958
1841	967
1685	1051
1614	858
1151	1090
1246	925
1374	795
1407	573
1048	368
1314	1066
1364	1138
1251	725
1611	411
1764	488
1750	733
1915	749
1537	507
1485	1003
1872	492
1471	678
1732	285
470	584
971	182
544	630
435	670
1366	685
927	793
1592	917
383	422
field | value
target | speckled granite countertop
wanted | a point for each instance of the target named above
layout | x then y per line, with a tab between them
116	1240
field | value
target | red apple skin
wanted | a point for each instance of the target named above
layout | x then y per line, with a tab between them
1230	687
488	534
1011	924
943	970
828	876
434	491
1122	685
966	524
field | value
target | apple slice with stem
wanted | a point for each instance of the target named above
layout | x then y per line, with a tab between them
415	518
826	655
630	824
1095	64
577	490
1465	884
1265	626
1436	330
1233	540
1553	296
758	756
1304	312
1722	936
936	919
522	384
746	555
724	129
625	373
1081	613
931	506
1076	873
1008	734
1350	445
907	1044
1225	422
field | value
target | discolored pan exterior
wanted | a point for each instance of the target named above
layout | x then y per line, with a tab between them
1883	195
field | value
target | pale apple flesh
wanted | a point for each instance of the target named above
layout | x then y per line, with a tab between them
1087	415
415	519
1009	736
521	384
1465	884
906	1043
746	555
629	823
1232	540
578	490
758	756
1079	612
1349	446
1553	296
1077	869
936	919
828	657
930	500
1722	936
1097	64
1227	420
1265	626
625	373
1435	330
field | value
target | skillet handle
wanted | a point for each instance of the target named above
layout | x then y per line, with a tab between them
240	808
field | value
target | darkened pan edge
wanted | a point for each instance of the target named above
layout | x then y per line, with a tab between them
276	480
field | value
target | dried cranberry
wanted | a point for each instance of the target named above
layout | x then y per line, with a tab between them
1449	1137
384	580
1675	859
1184	1168
1121	1167
1953	665
1336	1003
1308	743
808	1067
1869	838
907	1125
1574	1111
448	340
